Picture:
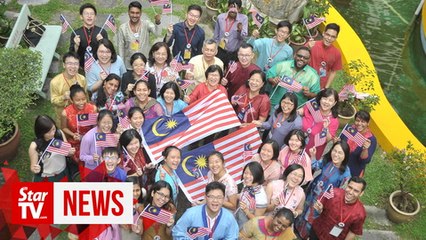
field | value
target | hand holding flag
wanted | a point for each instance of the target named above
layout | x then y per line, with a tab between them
88	61
314	109
329	192
352	134
290	84
313	21
320	138
157	214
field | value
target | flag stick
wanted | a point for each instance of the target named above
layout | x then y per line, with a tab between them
69	25
304	23
302	105
78	127
131	159
343	130
273	92
103	26
42	155
141	214
252	116
154	10
171	12
96	150
229	68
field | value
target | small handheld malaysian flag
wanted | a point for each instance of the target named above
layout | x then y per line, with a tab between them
249	198
184	84
158	2
59	147
87	119
320	138
194	232
232	67
88	61
167	8
329	193
346	91
105	140
188	67
175	65
257	18
352	134
313	21
110	22
314	109
157	214
65	23
290	84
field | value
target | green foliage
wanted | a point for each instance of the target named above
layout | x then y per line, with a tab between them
316	8
298	33
360	75
408	171
20	73
5	24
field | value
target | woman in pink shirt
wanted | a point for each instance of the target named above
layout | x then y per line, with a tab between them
267	157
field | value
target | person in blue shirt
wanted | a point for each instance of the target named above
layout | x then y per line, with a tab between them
170	99
220	222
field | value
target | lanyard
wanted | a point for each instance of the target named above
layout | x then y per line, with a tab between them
272	56
328	170
188	42
112	100
276	125
343	220
172	176
206	223
88	38
227	27
286	199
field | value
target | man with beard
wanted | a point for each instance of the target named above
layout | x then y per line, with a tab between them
218	222
133	36
187	36
230	31
342	215
326	59
298	70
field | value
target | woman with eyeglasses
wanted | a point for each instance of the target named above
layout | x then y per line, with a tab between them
283	120
160	196
250	101
277	227
167	170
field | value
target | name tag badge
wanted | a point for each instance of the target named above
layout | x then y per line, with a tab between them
336	231
222	43
187	53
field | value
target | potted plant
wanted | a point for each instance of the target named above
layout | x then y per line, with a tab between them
297	36
408	175
212	7
356	74
19	75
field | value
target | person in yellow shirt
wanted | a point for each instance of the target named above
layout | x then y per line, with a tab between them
61	83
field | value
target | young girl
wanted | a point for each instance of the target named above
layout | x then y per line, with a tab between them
159	196
109	96
294	153
89	151
47	166
166	171
69	123
150	106
267	157
158	64
135	230
253	201
170	99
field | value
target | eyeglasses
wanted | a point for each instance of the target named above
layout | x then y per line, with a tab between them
107	158
194	16
162	195
329	35
104	52
302	56
215	198
287	103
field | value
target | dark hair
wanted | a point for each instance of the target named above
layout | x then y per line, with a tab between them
173	86
293	98
76	88
345	148
262	76
282	24
214	68
195	7
155	48
168	149
157	186
110	150
127	136
245	45
275	148
70	54
363	115
304	48
332	26
215	185
135	180
133	110
257	172
290	169
106	112
218	154
327	92
102	97
42	125
357	179
137	56
135	4
285	212
299	134
209	42
235	2
108	44
87	5
139	82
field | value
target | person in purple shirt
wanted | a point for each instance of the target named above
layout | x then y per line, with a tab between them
230	31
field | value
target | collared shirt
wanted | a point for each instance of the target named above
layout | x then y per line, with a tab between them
235	38
270	48
180	39
307	77
86	36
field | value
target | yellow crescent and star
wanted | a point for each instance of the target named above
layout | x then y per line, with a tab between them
170	124
200	162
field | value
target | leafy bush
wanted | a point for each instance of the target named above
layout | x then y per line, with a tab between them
19	75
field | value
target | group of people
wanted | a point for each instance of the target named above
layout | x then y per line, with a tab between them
278	197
